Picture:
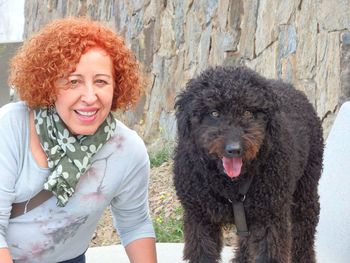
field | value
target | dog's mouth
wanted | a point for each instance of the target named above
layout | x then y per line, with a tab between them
232	166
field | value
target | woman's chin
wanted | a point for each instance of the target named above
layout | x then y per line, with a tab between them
83	130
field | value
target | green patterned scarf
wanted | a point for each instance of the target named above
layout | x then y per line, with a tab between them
68	156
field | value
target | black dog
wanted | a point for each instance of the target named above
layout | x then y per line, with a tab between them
249	153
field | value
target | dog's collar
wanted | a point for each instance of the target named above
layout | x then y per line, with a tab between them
238	208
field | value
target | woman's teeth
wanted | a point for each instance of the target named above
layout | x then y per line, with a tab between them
86	113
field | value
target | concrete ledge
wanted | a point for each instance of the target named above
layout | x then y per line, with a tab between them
166	253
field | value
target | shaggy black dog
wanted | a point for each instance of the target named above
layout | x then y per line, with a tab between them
249	153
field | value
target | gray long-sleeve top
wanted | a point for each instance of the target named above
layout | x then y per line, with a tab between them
118	177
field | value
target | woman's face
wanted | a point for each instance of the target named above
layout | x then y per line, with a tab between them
84	98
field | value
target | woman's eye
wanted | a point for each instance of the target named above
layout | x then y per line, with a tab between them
101	82
215	114
73	83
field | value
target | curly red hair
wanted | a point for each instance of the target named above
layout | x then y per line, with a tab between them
56	50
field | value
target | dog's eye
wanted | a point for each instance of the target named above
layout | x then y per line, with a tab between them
260	115
247	114
215	114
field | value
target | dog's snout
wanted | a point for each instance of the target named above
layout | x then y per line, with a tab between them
233	149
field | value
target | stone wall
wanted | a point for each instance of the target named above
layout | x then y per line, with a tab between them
305	42
7	50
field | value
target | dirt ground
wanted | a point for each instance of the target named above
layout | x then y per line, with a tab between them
162	198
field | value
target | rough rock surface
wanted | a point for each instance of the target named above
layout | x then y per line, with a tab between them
305	42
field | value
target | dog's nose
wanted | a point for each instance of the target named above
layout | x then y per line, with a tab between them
233	149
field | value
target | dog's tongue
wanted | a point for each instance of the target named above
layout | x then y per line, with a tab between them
232	166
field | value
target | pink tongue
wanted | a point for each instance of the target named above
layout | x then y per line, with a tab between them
232	166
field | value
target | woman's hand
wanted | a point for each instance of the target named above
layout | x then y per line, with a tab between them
5	256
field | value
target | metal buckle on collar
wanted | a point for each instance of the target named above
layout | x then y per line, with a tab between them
241	198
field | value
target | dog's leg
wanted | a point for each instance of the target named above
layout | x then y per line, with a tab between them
241	252
267	243
203	240
305	213
275	246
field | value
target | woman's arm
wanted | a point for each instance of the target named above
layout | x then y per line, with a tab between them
130	207
6	257
142	251
11	124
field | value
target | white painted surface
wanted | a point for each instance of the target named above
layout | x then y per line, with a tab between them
11	20
333	231
166	253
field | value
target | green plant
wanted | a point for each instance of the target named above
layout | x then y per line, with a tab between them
169	229
161	156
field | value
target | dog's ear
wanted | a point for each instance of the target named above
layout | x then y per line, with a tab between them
183	111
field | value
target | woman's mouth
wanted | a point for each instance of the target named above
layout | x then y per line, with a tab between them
86	113
86	117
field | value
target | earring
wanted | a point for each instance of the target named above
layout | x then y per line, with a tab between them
51	109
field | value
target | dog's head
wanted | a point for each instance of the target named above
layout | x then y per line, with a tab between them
225	112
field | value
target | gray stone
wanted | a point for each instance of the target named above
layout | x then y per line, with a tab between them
345	68
178	21
223	7
265	64
328	73
137	5
167	36
307	40
146	42
248	29
7	50
271	14
193	32
345	38
167	124
333	15
137	23
266	25
287	44
121	16
233	31
285	10
204	48
216	55
210	8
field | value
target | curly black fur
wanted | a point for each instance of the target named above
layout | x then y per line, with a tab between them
233	113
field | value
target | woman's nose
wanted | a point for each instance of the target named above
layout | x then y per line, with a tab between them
89	94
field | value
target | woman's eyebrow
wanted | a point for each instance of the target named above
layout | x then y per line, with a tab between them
103	75
97	75
75	75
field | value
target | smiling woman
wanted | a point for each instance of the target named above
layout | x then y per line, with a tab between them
62	142
85	100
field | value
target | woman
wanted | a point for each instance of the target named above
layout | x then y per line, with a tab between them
62	137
